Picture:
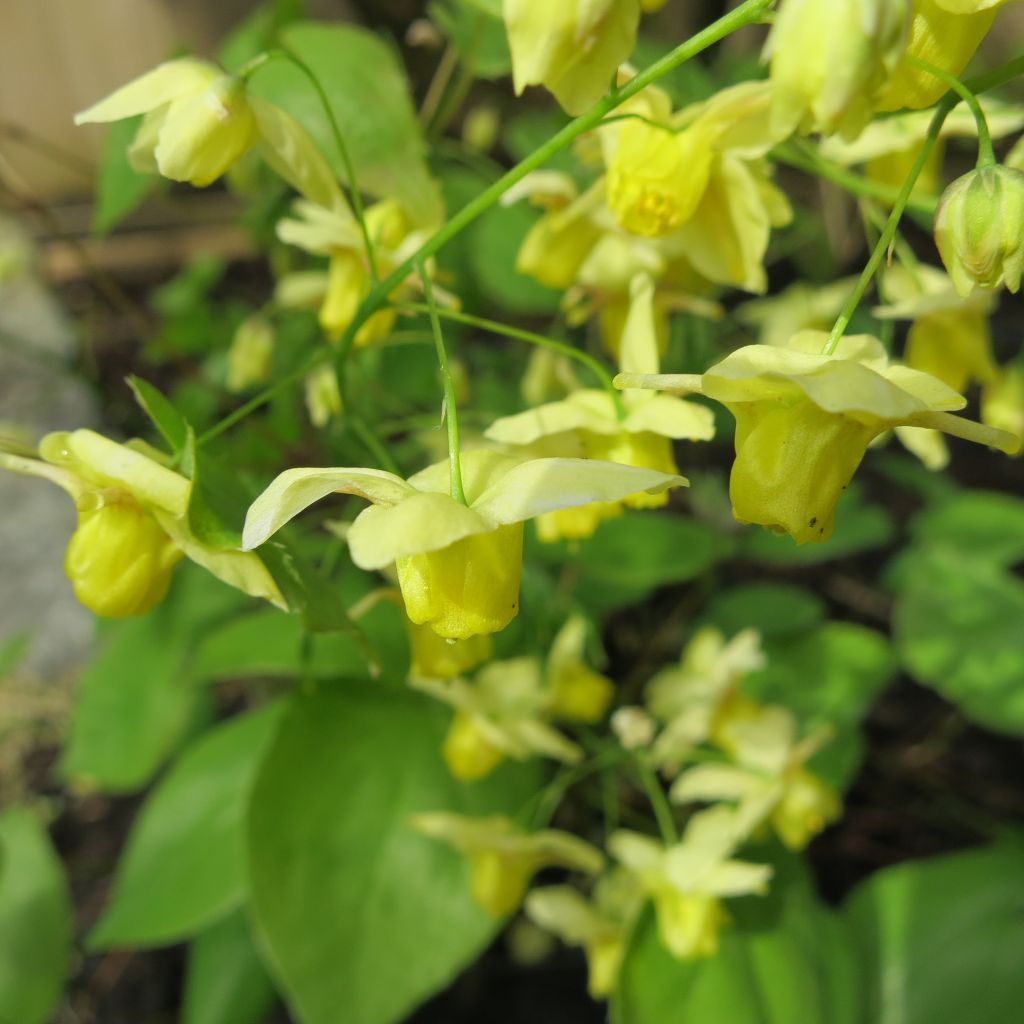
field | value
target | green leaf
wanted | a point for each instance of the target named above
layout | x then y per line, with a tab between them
184	865
225	980
173	427
786	961
355	908
941	938
774	609
35	920
957	626
636	553
119	187
858	527
369	96
980	525
257	33
135	700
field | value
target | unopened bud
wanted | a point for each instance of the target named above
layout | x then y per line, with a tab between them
119	560
979	229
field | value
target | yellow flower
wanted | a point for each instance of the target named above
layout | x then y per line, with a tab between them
507	709
1002	402
323	396
132	524
502	858
768	778
686	881
434	657
600	926
830	61
458	565
200	121
979	229
639	434
944	33
572	49
334	232
804	421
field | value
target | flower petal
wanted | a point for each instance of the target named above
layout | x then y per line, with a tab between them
582	410
546	485
421	522
161	85
671	417
296	489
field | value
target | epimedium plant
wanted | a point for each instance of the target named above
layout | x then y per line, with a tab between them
432	743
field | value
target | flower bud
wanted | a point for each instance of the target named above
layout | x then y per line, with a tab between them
119	560
830	59
979	229
250	352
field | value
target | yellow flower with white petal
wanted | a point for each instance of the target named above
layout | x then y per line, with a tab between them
572	49
768	778
637	432
132	524
200	121
687	881
335	233
830	61
804	421
688	698
503	858
458	565
600	926
944	33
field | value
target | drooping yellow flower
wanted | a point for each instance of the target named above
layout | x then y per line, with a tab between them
599	925
200	121
767	778
686	882
944	33
507	710
132	524
804	421
572	49
687	698
458	566
637	433
503	858
831	60
335	233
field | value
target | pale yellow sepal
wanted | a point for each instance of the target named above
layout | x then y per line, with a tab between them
502	858
164	83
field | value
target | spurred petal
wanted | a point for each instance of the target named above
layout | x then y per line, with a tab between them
161	85
289	150
546	485
422	522
296	489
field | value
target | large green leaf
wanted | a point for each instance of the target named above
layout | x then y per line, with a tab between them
942	938
363	917
957	625
982	525
774	609
225	981
369	96
786	961
135	701
35	920
184	865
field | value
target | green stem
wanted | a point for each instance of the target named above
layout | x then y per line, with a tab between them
986	154
806	158
339	141
496	327
659	802
451	413
747	13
